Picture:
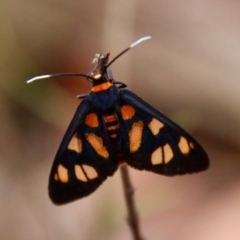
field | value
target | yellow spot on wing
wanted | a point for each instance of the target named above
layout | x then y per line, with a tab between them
127	112
183	145
157	156
90	171
155	126
80	175
75	144
135	136
97	144
191	145
92	120
62	173
168	153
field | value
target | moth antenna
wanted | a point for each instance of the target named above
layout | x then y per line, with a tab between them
127	49
88	78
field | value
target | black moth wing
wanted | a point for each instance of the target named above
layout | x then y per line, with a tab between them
156	143
84	159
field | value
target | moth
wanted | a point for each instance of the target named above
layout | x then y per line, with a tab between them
111	126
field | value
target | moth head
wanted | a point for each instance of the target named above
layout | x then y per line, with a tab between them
101	72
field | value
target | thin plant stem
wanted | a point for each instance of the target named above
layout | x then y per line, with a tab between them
132	217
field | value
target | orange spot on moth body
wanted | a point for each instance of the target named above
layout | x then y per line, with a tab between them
80	175
168	153
162	155
62	174
110	118
75	144
91	120
112	125
127	112
157	156
90	171
184	146
85	172
56	177
135	136
191	145
101	87
155	126
113	136
97	144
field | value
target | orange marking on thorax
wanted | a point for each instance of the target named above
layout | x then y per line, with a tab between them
101	87
92	120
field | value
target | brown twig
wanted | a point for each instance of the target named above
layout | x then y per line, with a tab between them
132	218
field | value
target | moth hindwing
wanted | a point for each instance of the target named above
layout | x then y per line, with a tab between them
111	126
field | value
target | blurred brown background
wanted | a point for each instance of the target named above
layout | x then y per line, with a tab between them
189	70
